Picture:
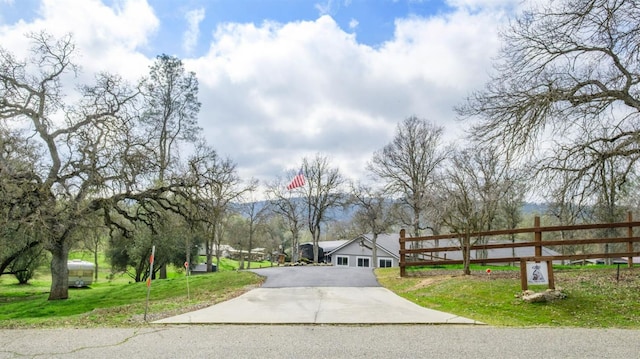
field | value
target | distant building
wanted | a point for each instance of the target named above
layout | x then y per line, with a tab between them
202	268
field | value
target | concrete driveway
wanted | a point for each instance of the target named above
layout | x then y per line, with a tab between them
317	295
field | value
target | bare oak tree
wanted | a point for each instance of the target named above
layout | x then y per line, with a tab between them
408	166
375	213
217	186
290	209
321	193
94	159
255	214
474	186
566	79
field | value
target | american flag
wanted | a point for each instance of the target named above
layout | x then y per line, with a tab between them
298	181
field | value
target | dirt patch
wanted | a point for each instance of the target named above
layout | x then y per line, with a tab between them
431	280
453	273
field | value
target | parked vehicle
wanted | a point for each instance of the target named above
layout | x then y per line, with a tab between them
80	273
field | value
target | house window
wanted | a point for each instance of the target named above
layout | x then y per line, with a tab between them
385	263
342	261
363	262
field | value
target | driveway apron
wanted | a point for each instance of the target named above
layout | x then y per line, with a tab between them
317	295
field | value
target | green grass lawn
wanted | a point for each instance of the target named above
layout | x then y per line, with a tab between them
115	300
594	297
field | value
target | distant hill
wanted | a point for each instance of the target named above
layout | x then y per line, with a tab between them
345	214
534	208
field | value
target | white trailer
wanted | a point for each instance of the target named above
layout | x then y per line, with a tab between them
80	273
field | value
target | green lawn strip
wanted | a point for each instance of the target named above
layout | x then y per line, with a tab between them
594	298
119	304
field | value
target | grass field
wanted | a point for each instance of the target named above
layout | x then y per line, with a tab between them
114	300
594	297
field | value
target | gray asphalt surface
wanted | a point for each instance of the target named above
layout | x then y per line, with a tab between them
317	276
301	341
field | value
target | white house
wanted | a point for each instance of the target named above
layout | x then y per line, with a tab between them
357	252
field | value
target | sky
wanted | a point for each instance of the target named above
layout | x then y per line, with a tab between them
281	80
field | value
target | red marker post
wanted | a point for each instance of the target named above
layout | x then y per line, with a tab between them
151	259
489	274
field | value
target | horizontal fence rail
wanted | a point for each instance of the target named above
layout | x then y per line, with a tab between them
435	254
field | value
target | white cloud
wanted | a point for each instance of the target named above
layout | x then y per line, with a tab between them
353	24
484	5
325	8
190	37
272	93
331	7
108	38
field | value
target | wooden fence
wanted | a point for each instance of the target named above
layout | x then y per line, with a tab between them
432	253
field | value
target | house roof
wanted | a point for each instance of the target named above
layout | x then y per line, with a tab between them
327	246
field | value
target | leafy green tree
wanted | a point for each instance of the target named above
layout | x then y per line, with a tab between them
19	199
170	114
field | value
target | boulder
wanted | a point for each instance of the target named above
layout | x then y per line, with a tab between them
549	295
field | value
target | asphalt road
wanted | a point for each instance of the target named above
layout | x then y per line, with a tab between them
320	341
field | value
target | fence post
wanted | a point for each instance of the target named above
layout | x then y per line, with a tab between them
403	270
630	236
523	274
551	279
537	237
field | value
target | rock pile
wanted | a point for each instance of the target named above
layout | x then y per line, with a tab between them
549	295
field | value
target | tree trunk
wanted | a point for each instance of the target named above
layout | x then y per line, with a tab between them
374	250
163	271
294	247
466	254
59	271
249	251
316	239
208	244
210	262
95	261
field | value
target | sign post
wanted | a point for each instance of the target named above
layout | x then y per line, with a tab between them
536	272
186	267
146	307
